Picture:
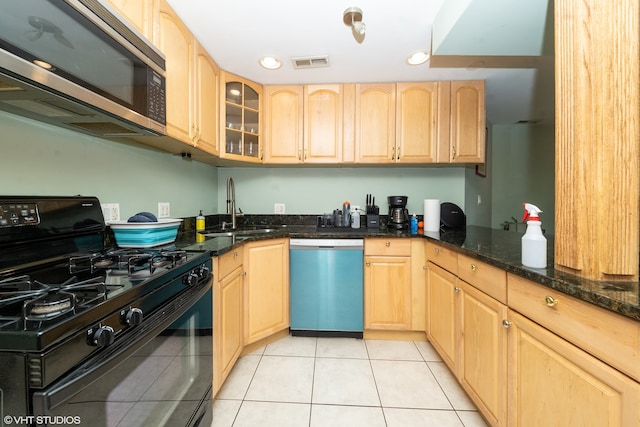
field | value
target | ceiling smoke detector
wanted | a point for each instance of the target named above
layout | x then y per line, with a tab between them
352	17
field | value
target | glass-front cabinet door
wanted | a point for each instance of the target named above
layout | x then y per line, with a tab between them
241	118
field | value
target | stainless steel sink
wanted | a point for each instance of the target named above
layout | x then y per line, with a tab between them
244	231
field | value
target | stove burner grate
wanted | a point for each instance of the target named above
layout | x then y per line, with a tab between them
21	297
127	261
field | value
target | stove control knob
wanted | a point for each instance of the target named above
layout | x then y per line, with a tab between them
131	317
203	272
190	279
102	336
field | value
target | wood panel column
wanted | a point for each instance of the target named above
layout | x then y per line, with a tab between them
597	80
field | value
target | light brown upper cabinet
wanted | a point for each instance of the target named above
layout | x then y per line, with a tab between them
138	13
192	84
303	124
417	122
240	101
468	129
375	123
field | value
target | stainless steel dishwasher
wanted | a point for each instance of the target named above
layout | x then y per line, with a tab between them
326	277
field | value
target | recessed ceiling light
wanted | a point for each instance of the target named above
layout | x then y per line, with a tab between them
417	58
43	64
270	62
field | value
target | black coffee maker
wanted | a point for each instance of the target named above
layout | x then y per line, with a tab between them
398	213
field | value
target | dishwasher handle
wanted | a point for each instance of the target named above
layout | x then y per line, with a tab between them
329	244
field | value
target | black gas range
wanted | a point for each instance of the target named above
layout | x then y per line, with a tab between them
73	312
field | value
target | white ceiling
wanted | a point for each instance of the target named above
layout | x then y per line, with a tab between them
236	33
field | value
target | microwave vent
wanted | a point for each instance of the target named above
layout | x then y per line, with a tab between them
105	129
310	62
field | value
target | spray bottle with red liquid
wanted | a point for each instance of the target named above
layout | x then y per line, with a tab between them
534	244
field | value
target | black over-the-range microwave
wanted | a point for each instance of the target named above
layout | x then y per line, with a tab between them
76	64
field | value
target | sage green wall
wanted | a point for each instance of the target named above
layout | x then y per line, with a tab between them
39	159
321	190
523	170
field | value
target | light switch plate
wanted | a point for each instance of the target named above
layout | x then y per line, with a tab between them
278	208
110	211
164	210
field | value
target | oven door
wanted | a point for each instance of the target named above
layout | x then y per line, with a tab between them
160	375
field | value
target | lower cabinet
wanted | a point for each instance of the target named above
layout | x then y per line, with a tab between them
483	352
228	315
514	368
387	284
266	296
553	382
443	318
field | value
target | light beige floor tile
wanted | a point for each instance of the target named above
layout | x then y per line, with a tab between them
344	382
348	348
282	379
428	352
292	346
392	350
346	416
421	418
471	419
408	384
272	414
237	383
224	412
456	395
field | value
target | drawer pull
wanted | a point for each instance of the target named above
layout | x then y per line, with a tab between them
550	301
388	243
456	289
506	323
474	267
437	250
235	254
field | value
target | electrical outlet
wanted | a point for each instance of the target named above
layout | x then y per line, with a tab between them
479	199
164	210
278	208
111	211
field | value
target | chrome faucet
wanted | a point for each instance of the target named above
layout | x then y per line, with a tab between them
231	203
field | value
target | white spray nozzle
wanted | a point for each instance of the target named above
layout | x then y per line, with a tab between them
531	212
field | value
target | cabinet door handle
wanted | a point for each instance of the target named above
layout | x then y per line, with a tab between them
398	156
550	301
388	243
456	289
367	264
474	267
424	267
506	323
393	153
300	154
306	153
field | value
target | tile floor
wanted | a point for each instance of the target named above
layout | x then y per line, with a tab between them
300	381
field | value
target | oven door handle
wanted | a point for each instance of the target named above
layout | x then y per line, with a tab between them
92	369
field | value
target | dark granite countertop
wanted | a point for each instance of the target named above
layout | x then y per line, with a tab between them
495	247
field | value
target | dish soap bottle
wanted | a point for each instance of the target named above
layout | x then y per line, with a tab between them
200	222
413	224
534	244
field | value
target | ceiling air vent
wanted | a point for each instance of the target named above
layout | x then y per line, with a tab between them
310	62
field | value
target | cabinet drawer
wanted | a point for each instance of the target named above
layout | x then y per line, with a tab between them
612	338
490	280
443	257
229	262
382	247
